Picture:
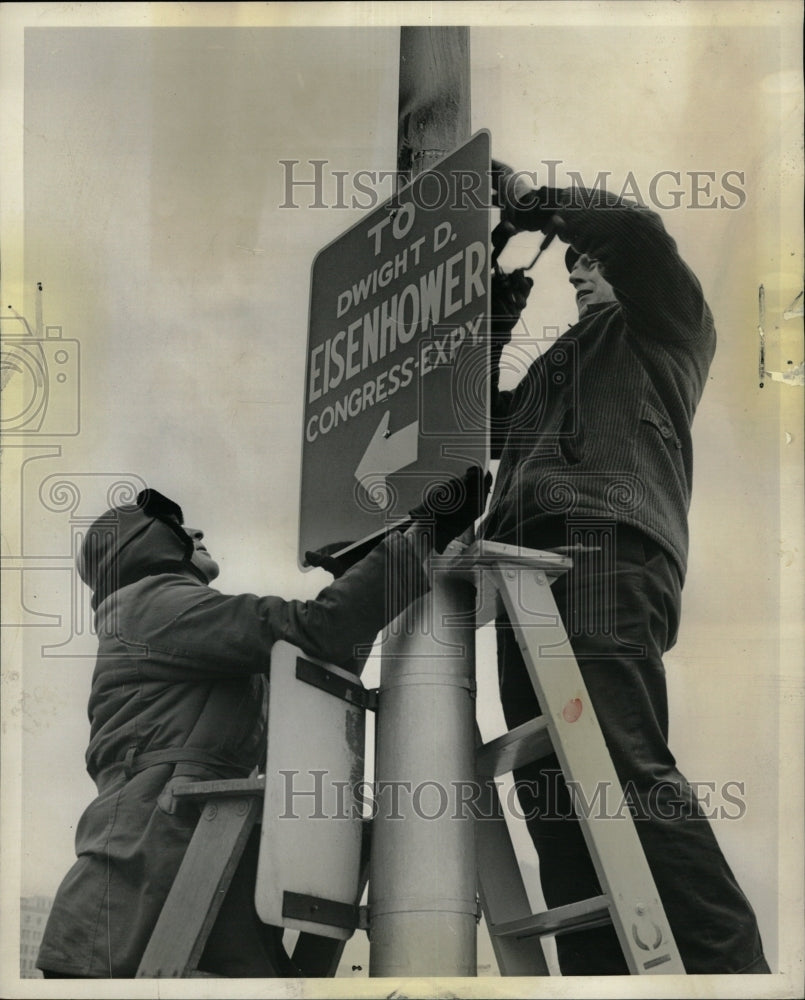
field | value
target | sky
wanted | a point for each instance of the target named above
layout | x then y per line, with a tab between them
143	177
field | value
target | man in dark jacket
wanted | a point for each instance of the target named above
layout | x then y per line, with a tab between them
595	450
179	692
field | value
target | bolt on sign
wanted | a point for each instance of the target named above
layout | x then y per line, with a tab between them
396	386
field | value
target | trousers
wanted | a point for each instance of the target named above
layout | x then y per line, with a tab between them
239	944
621	614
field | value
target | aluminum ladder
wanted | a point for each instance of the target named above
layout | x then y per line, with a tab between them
519	581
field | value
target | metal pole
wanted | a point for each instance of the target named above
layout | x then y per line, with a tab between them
422	901
433	113
422	889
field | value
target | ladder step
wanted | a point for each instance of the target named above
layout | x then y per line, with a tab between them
222	788
583	915
522	745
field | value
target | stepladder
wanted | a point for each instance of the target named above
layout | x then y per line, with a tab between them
313	873
518	581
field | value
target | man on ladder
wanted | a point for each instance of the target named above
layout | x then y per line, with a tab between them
179	694
595	448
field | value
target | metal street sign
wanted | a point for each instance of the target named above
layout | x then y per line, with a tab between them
396	387
308	872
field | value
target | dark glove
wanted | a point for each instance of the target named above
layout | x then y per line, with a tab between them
322	558
450	506
522	205
508	299
453	505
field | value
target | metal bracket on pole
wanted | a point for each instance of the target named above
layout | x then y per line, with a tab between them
326	680
317	910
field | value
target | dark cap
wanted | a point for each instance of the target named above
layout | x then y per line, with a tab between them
154	504
133	541
571	256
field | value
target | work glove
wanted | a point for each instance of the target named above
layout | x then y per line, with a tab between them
450	507
453	505
521	205
508	298
324	559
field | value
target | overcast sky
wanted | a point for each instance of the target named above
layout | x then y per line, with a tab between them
150	210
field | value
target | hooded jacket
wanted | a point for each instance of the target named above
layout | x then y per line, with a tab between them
179	689
600	426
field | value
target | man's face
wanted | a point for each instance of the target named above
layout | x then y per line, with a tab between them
590	285
201	558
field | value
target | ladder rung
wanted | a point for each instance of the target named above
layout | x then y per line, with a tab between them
522	745
221	788
587	913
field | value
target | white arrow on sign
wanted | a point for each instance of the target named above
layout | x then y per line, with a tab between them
387	453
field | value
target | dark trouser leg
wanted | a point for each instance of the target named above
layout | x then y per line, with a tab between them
240	945
713	923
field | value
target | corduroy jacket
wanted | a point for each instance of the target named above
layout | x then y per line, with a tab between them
600	426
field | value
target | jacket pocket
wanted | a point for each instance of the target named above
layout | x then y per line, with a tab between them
661	423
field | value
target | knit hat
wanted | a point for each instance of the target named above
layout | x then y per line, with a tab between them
571	256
